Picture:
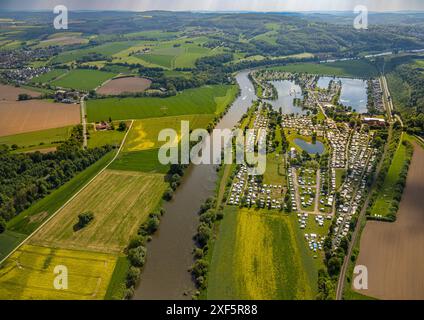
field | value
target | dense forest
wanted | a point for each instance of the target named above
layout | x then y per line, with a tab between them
27	177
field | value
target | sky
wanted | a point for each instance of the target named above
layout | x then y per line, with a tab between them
216	5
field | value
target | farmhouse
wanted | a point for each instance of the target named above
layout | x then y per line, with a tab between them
103	126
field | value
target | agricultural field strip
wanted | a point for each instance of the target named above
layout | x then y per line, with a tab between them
70	199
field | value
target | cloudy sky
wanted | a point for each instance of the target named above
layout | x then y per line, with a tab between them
215	5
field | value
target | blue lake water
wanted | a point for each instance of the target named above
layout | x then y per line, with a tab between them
312	148
287	91
354	92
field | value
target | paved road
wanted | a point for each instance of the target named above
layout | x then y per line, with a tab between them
388	99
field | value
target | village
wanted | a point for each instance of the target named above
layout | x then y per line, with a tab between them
329	186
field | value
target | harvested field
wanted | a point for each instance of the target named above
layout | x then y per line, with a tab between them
125	85
120	201
33	115
29	274
11	93
394	252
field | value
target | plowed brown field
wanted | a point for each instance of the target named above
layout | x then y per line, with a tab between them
121	85
33	115
11	93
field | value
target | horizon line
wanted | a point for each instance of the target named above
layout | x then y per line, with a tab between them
214	11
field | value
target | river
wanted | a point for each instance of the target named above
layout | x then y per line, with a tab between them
169	254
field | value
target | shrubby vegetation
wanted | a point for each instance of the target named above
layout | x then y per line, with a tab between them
207	217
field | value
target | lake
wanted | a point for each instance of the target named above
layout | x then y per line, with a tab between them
354	92
311	148
287	91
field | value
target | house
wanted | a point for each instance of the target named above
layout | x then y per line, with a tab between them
103	126
375	122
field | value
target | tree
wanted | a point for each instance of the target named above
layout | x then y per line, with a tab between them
2	225
137	256
122	126
23	97
168	194
334	265
132	276
84	219
152	224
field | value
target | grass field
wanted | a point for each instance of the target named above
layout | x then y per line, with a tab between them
178	53
339	177
83	79
382	204
101	138
31	140
259	255
107	50
141	161
355	68
116	288
120	201
29	274
49	76
205	100
275	170
9	240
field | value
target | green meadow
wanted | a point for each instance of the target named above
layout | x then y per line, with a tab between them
37	139
49	76
107	50
204	100
353	68
83	79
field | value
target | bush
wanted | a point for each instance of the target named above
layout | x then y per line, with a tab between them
137	256
122	126
168	194
200	268
133	275
203	234
136	241
83	220
152	224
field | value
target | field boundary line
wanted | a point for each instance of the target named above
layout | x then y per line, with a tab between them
70	199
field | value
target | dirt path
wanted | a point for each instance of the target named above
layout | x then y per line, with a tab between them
394	252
